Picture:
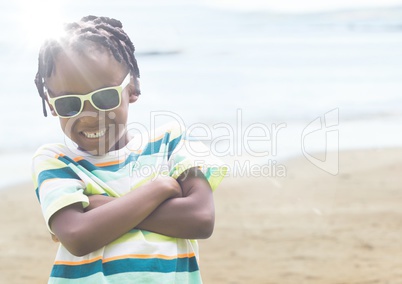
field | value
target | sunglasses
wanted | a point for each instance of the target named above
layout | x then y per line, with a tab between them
103	99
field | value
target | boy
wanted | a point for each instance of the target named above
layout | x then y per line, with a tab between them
115	224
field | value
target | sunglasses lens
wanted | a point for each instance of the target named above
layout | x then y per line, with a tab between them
69	106
106	99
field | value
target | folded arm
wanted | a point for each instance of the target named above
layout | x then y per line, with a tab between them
82	232
191	216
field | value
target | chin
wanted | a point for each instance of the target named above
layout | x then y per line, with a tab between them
97	149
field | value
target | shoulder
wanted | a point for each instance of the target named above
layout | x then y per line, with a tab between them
48	163
162	134
172	136
51	150
170	130
58	149
55	155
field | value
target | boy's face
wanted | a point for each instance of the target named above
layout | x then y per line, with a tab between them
94	131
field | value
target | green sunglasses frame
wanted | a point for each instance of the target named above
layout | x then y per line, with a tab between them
88	97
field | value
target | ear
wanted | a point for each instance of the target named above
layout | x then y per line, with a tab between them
134	92
133	97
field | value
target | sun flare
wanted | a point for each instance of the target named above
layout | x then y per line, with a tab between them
40	20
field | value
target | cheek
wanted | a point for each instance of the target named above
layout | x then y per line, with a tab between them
118	118
121	113
66	126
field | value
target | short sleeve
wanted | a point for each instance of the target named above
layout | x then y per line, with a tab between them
186	152
56	184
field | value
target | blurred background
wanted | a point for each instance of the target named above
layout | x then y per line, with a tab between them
326	74
218	61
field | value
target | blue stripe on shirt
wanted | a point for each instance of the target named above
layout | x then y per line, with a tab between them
65	172
125	266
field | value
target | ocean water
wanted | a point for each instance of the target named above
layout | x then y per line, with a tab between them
253	71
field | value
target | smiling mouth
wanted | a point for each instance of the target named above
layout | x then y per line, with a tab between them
94	134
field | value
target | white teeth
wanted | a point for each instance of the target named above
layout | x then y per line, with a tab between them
97	134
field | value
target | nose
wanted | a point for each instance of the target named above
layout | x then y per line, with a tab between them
89	115
88	107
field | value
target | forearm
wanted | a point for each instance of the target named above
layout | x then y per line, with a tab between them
191	216
83	232
181	218
176	217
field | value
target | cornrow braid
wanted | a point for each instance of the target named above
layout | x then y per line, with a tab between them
103	31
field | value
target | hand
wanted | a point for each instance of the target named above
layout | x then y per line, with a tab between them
163	182
170	184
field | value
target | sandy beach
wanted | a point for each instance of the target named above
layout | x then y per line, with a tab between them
307	227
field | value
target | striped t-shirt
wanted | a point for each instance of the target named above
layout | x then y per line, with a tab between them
63	176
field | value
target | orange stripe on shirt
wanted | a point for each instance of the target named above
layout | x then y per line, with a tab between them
79	158
147	256
159	137
109	163
141	256
59	155
156	138
61	262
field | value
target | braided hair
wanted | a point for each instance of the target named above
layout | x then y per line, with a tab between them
102	31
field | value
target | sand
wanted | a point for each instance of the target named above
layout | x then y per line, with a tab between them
307	227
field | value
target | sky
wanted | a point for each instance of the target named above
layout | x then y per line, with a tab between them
299	6
34	15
